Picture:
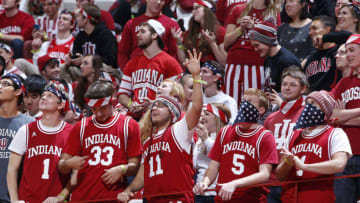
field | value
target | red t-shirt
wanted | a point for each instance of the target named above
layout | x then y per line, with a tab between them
348	90
107	18
20	24
107	145
240	154
224	7
128	48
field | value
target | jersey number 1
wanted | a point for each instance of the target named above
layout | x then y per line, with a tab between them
46	164
158	171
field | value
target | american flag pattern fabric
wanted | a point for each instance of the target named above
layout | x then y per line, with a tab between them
248	113
309	117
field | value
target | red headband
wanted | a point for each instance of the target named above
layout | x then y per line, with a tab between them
217	112
99	102
83	12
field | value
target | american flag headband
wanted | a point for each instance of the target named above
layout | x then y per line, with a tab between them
93	103
55	89
213	69
217	112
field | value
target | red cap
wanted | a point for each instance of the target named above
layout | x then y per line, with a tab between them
42	61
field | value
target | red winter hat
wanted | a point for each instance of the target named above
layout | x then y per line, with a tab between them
265	32
325	100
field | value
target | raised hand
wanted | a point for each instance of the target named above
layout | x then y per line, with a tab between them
177	34
192	63
210	37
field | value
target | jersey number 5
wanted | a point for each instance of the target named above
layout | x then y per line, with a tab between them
97	151
238	168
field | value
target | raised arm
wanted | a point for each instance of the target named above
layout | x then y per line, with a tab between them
192	63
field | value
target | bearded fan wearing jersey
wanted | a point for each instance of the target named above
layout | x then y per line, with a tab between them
166	172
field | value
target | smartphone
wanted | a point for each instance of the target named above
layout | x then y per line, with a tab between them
36	27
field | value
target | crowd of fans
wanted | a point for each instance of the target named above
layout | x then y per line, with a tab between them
179	101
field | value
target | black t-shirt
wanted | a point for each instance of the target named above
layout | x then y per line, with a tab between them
282	60
320	69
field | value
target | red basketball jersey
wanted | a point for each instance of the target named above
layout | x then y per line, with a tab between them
40	176
107	145
240	153
167	169
59	50
310	150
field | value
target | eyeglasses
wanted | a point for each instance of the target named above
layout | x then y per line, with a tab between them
6	84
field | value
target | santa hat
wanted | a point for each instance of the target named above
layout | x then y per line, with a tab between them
265	32
157	26
325	101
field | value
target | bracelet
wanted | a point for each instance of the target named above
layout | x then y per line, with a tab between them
63	195
1	34
130	102
180	46
46	38
34	51
239	31
200	81
123	169
288	162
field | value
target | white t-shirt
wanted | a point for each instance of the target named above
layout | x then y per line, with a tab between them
339	142
222	98
19	145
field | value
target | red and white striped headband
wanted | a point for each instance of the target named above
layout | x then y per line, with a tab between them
85	14
98	102
217	112
203	3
